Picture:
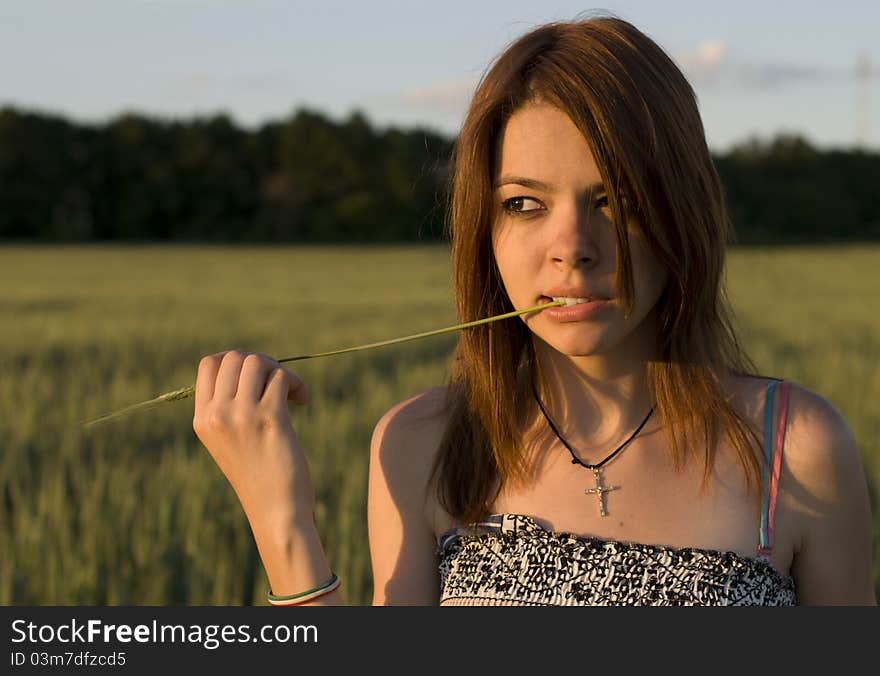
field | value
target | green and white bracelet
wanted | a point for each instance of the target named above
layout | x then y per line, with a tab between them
302	597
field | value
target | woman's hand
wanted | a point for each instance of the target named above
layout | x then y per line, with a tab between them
241	417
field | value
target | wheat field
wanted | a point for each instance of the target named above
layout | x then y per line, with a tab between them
134	512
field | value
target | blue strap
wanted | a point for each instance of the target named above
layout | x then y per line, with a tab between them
768	456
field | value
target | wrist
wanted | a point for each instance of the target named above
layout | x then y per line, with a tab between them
292	555
275	512
283	530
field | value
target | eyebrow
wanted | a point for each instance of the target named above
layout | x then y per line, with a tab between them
540	185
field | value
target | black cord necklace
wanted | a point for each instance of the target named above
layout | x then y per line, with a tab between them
599	490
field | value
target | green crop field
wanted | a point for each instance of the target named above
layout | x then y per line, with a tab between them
135	512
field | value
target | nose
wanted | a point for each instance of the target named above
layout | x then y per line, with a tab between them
573	236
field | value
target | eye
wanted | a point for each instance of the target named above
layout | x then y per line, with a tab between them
517	205
604	204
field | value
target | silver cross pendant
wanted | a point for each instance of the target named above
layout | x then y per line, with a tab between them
600	491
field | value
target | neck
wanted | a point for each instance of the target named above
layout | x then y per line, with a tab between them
595	401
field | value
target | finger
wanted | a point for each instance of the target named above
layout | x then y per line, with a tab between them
255	370
284	385
228	375
207	374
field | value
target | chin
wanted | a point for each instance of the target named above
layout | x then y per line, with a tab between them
572	347
580	351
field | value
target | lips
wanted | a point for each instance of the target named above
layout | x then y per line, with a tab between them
577	312
548	299
573	292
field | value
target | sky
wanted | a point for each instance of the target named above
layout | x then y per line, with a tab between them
759	68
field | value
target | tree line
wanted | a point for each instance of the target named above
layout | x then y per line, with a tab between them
308	178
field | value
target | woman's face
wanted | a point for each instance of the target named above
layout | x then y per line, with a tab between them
553	236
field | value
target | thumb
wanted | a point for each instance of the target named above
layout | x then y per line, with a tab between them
297	392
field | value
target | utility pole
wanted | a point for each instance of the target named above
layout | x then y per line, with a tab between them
864	73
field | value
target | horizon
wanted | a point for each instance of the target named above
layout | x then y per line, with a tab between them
378	128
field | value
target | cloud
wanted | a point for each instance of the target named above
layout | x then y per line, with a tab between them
709	57
207	84
772	75
714	64
445	95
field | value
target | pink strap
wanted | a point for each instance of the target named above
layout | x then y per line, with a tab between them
777	460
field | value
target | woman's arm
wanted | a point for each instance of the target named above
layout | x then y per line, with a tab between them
294	560
402	544
242	418
833	565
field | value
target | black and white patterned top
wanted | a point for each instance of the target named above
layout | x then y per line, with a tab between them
510	559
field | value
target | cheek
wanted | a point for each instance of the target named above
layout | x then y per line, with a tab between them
499	256
506	270
654	281
652	276
504	252
515	266
515	246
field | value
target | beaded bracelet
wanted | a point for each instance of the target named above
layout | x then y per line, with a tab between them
302	597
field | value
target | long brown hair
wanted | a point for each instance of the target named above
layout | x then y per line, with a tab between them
639	116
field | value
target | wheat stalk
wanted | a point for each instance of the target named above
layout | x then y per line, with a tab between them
186	392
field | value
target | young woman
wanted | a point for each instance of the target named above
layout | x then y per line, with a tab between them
620	449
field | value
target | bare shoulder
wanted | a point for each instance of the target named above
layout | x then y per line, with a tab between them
827	488
416	415
399	503
817	436
820	447
407	436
